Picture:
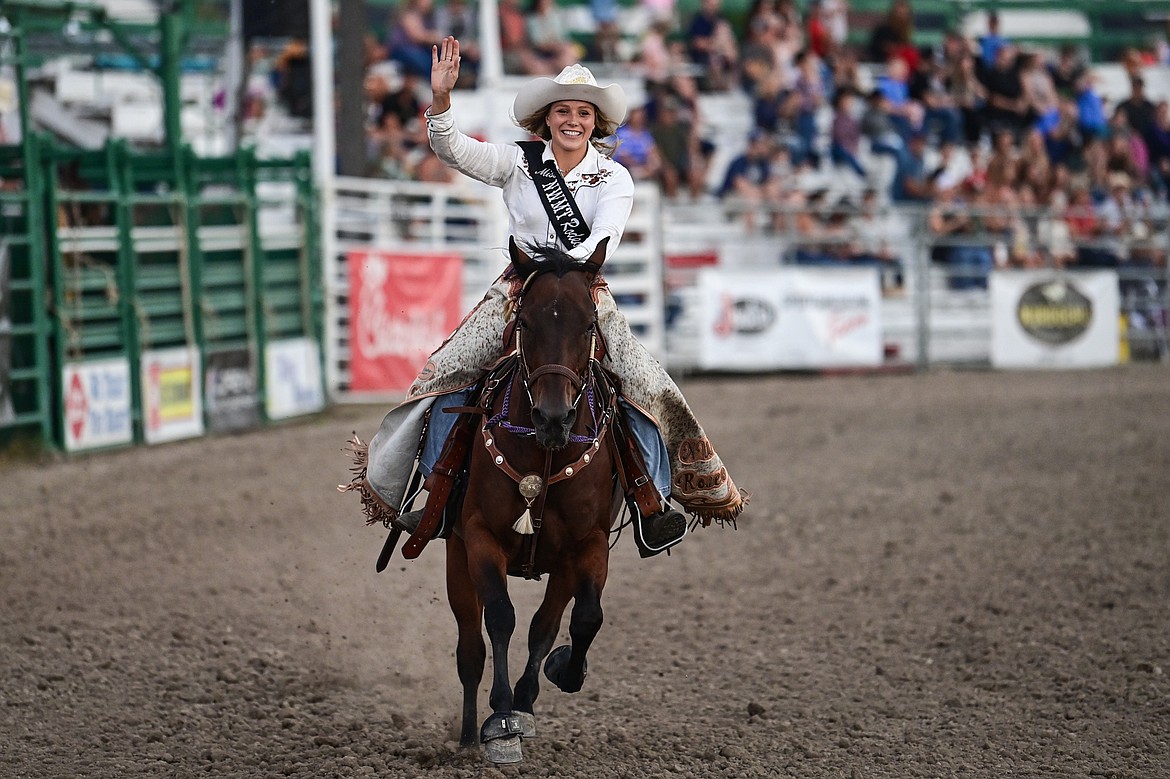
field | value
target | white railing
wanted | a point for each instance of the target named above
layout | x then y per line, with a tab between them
468	219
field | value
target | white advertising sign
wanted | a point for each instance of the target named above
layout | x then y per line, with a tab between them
172	400
293	378
97	403
1050	319
789	318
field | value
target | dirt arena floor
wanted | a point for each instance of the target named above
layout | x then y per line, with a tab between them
959	574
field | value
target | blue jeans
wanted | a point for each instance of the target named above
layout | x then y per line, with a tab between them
645	432
842	156
969	266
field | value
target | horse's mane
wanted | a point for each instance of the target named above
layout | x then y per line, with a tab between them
553	259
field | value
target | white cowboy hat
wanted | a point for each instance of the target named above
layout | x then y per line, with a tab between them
575	82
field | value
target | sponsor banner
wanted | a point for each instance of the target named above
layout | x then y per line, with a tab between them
292	378
1050	319
172	403
97	403
789	318
229	384
402	308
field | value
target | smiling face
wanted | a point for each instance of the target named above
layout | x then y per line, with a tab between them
570	124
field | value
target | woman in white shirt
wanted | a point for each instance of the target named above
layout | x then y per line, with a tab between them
574	117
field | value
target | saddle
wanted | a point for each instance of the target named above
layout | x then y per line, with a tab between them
449	473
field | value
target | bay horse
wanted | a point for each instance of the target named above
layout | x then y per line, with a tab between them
540	455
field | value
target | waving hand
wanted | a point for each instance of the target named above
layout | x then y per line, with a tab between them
444	73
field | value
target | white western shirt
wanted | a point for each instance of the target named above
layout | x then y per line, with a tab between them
603	189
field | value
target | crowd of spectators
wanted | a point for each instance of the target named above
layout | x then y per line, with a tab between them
1010	143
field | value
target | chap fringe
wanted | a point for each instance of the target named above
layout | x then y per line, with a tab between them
373	508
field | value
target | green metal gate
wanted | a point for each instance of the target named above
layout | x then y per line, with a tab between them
149	251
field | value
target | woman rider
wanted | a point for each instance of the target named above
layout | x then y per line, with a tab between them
573	116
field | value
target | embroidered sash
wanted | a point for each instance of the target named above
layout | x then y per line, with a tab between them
554	193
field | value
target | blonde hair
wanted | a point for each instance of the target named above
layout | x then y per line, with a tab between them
603	127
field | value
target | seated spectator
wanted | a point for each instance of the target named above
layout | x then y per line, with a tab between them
928	89
403	103
606	44
1034	169
654	56
460	19
1054	233
636	148
822	231
1159	149
957	243
874	234
1081	218
1039	92
684	164
967	94
294	80
712	46
1126	151
1006	105
1063	141
1137	109
1095	157
774	108
1090	108
1003	166
816	31
845	135
411	36
911	182
1119	218
515	46
878	126
1066	72
810	95
763	55
549	37
952	168
750	184
894	36
894	84
991	42
999	205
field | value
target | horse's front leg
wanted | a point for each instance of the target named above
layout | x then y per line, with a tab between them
566	667
487	565
546	623
470	652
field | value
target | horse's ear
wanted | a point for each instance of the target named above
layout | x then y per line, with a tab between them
523	264
594	263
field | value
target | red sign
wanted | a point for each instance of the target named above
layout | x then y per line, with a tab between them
401	308
76	406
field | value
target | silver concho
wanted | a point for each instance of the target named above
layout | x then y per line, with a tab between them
531	486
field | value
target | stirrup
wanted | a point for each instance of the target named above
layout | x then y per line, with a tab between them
408	522
659	531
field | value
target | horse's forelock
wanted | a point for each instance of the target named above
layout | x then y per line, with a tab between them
553	259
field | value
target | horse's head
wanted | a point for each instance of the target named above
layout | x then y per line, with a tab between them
556	335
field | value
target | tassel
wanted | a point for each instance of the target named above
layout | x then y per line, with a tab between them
523	525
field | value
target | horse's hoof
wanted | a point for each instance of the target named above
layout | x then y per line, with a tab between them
527	724
500	735
555	669
503	750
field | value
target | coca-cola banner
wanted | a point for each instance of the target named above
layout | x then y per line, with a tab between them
401	307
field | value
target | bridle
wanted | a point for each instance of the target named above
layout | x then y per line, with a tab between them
584	384
594	382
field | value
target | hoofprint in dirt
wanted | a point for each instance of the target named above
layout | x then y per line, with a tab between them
955	574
